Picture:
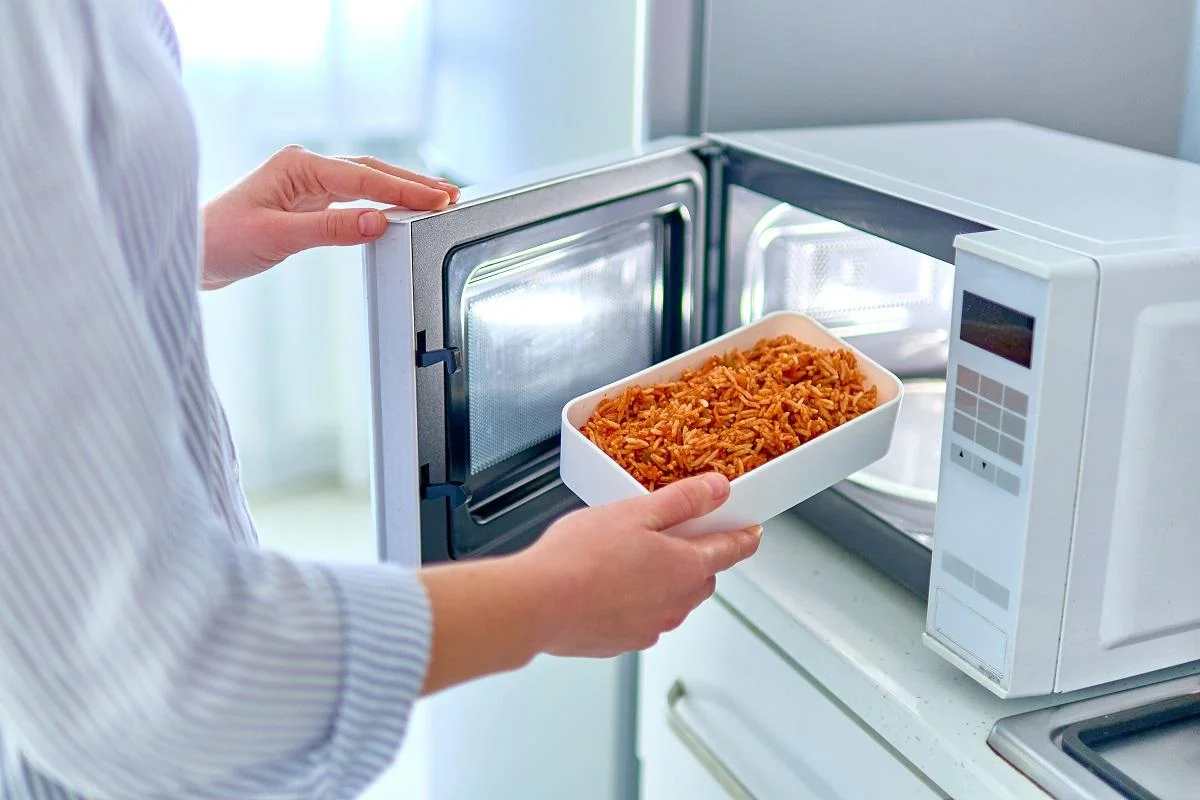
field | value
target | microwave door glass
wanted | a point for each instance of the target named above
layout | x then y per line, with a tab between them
540	315
548	325
488	317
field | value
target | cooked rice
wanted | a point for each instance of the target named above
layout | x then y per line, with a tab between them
733	414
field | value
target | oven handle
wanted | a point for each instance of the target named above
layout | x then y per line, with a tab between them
704	754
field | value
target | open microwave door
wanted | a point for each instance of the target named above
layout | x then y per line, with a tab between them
486	318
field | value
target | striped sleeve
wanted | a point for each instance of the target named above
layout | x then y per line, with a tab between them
143	653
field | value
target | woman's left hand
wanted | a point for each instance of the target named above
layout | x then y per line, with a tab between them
283	207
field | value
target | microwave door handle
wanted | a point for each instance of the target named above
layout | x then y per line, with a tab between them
690	739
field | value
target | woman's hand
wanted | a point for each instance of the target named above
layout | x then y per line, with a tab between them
616	578
599	582
283	207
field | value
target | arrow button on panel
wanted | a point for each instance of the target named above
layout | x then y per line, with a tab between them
985	469
960	455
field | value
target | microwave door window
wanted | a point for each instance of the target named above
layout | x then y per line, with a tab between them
545	326
538	314
509	305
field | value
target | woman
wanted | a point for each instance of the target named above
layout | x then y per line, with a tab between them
147	649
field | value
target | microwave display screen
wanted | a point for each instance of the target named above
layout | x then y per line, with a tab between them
998	329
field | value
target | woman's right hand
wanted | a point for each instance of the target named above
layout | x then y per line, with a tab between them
600	582
616	578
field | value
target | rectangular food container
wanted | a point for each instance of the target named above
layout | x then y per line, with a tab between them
765	491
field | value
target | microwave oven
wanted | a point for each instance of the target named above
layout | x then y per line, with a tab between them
1038	292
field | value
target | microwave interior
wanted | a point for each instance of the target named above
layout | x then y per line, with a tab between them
525	302
893	303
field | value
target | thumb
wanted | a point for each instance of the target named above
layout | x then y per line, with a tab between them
684	500
334	226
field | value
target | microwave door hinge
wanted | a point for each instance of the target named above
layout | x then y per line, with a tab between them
450	357
456	493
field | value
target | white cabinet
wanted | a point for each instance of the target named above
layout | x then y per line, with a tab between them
718	703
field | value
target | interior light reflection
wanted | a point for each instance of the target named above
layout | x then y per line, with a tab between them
532	306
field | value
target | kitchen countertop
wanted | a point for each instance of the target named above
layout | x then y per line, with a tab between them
857	633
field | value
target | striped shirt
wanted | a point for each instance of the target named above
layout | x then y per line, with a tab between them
147	648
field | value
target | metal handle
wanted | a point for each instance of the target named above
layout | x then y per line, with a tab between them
703	753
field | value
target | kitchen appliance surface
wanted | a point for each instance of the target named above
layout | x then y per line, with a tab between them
1143	744
1048	282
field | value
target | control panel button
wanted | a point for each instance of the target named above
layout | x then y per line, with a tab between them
1008	482
960	455
1013	425
958	568
968	378
991	590
1011	449
989	414
992	390
987	437
1016	401
964	426
984	468
965	402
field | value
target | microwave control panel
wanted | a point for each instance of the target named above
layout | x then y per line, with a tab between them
1017	377
983	513
989	428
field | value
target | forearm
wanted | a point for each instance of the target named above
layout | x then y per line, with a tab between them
488	616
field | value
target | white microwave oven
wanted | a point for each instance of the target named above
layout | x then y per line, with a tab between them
1042	290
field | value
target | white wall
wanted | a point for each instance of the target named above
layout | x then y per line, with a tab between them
1111	70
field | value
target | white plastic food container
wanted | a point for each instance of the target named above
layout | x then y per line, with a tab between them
765	491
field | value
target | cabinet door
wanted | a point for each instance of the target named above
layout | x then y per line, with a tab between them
717	701
676	772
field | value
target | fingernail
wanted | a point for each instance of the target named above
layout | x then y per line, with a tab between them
717	485
755	531
371	223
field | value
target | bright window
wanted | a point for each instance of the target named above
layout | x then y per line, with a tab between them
286	348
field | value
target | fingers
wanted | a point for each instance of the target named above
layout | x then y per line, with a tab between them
343	226
408	175
720	551
679	502
351	180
